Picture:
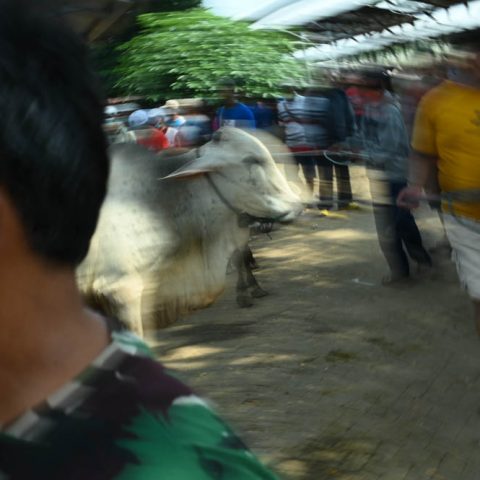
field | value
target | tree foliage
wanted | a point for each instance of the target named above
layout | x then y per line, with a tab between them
187	53
104	55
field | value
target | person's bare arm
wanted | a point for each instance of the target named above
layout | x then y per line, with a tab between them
421	167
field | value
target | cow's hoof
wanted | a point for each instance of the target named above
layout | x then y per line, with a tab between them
259	292
244	301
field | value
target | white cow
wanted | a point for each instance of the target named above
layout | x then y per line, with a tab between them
169	226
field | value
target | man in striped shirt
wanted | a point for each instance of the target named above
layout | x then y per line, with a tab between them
305	119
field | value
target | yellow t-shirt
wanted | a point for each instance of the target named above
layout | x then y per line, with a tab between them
447	125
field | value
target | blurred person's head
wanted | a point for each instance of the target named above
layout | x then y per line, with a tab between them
53	154
170	108
227	90
172	117
351	78
110	111
374	83
156	116
289	91
463	63
138	119
376	79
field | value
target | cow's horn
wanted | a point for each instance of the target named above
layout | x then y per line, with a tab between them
189	172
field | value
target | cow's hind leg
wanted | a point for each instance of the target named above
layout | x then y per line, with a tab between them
256	290
244	298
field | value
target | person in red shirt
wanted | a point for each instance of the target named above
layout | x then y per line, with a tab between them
146	135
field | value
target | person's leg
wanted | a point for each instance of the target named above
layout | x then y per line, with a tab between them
388	239
407	229
390	243
464	237
344	188
410	235
308	169
325	175
292	171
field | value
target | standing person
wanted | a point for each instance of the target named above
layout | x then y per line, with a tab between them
197	128
386	142
232	113
446	141
172	117
291	116
264	114
80	397
145	134
157	118
409	92
318	121
306	119
342	128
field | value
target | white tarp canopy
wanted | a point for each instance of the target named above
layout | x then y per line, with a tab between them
438	23
425	20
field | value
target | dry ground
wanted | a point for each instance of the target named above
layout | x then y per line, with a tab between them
333	376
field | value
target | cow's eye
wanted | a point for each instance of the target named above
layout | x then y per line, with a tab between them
252	161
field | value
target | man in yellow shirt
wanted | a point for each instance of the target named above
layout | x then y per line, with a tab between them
446	142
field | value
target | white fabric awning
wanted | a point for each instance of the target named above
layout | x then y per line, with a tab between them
305	11
425	22
439	22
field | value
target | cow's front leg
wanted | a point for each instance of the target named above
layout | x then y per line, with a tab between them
127	297
256	290
244	298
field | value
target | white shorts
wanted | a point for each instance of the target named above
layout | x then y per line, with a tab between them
464	237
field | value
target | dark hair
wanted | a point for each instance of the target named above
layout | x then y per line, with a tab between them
53	153
377	78
227	82
468	40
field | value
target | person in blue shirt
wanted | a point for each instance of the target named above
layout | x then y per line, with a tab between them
232	113
264	114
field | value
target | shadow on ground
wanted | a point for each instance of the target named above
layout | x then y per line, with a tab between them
333	376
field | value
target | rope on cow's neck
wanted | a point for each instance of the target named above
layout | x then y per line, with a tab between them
327	154
222	197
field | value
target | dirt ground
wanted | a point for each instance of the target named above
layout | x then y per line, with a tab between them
333	376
